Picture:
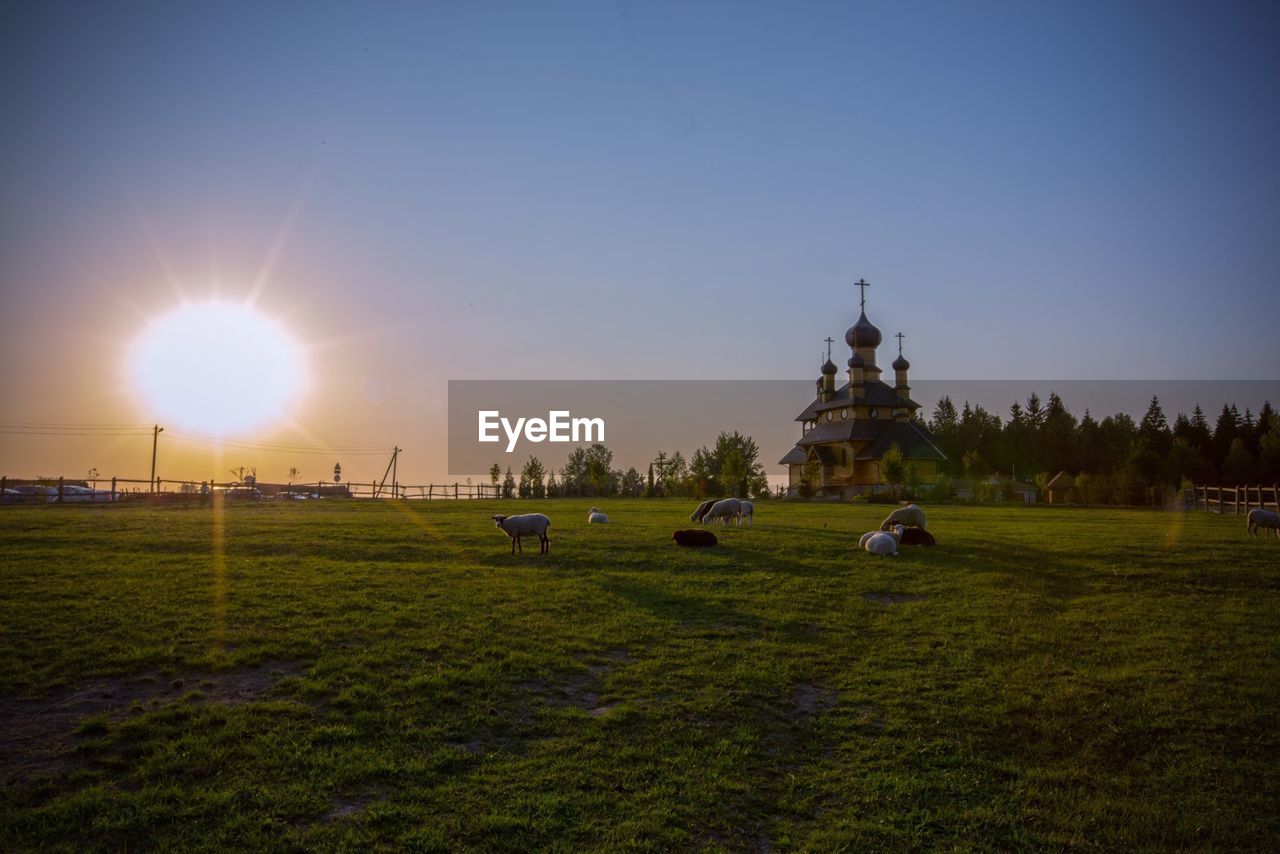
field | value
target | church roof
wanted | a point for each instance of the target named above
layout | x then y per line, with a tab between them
880	435
874	394
911	439
795	456
863	333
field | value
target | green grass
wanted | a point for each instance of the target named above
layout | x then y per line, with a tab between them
371	675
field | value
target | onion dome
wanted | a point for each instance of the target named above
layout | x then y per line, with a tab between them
862	333
828	367
900	364
856	361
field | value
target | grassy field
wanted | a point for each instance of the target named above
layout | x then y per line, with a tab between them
341	674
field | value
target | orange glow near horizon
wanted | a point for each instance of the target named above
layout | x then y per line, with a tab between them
217	367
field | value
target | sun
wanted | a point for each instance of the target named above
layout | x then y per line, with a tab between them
217	367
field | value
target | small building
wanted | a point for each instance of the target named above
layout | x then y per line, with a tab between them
846	431
1058	490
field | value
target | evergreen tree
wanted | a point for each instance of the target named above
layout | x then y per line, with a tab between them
1201	439
1153	432
1240	466
508	484
1224	433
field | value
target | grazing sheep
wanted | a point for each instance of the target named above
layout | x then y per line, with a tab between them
693	537
696	515
526	525
595	517
917	537
1259	518
910	516
723	511
748	512
882	543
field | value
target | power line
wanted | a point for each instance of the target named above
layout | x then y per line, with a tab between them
103	431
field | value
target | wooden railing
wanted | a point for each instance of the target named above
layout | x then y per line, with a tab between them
1236	500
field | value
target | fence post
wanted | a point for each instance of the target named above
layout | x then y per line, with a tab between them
4	485
61	493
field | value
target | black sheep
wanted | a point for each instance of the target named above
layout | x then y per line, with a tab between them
694	538
917	537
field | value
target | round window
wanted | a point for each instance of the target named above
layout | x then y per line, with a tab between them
844	414
828	415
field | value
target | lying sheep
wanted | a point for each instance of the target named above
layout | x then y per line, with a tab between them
1259	518
910	516
723	511
526	525
595	517
694	538
917	537
882	543
696	515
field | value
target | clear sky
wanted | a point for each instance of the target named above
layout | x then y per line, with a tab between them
428	191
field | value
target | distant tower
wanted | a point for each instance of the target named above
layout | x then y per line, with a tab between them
827	384
863	338
900	386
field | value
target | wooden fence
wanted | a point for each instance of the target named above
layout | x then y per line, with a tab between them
80	490
1236	500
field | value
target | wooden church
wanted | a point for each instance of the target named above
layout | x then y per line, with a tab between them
846	431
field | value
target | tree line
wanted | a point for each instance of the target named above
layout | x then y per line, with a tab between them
1106	457
731	466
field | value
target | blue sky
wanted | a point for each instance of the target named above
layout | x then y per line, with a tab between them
644	190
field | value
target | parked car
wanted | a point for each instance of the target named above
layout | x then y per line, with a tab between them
74	493
11	496
241	492
35	494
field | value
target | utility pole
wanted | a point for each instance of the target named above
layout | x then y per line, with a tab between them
395	484
155	440
391	468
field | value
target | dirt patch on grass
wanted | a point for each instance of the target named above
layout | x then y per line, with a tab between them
39	736
894	598
809	701
581	689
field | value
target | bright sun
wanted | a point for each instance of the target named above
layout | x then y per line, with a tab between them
218	367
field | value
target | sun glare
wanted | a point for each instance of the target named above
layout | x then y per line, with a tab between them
218	367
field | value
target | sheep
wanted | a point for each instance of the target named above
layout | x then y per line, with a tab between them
693	537
910	516
748	512
917	537
723	511
696	515
1259	518
524	525
882	543
595	517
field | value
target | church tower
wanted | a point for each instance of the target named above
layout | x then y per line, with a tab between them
846	431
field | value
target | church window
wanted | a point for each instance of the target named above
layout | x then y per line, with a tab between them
828	415
874	413
844	414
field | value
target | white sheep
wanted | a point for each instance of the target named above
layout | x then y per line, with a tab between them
883	543
748	512
1259	518
723	511
910	516
595	517
525	525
